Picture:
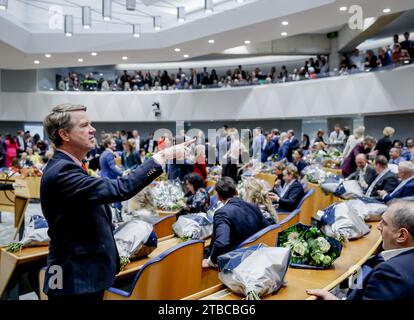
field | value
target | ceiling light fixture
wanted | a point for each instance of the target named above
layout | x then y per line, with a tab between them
387	10
343	8
47	55
131	4
247	42
239	1
36	62
68	25
285	23
86	17
177	49
94	54
211	41
124	58
186	56
80	60
284	34
208	6
136	30
4	4
180	14
157	22
107	10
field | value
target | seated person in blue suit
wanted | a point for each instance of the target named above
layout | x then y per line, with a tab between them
406	187
291	194
233	223
82	249
395	156
393	278
298	161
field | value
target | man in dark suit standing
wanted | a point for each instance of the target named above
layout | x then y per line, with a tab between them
83	259
293	144
364	174
233	223
385	180
392	279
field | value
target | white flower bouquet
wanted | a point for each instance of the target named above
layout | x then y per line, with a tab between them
310	248
168	195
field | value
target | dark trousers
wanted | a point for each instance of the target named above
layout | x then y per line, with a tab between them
87	297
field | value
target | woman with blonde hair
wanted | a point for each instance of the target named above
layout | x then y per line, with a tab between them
353	140
384	144
256	191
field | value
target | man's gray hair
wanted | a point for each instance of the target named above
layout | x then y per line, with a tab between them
403	216
60	118
406	166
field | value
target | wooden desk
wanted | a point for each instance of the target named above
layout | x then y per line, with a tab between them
353	256
163	213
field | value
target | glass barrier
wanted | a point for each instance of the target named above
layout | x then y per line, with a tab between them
107	85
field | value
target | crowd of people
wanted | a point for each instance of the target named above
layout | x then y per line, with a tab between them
396	54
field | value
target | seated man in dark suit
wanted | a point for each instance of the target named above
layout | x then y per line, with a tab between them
385	180
82	250
233	223
392	279
364	174
406	187
292	192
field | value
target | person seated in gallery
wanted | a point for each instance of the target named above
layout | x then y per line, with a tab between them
392	277
298	161
287	199
365	174
406	187
385	180
234	222
198	199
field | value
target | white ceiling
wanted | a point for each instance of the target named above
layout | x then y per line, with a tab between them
25	36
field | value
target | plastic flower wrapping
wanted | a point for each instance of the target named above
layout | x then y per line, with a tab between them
35	235
134	239
168	195
254	271
311	249
316	174
194	226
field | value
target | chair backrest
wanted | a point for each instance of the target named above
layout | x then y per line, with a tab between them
292	219
269	178
306	207
267	236
172	275
163	227
213	200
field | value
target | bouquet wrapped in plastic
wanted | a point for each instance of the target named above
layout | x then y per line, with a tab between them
35	235
367	208
254	271
331	184
311	249
214	173
134	239
168	195
194	226
339	221
349	189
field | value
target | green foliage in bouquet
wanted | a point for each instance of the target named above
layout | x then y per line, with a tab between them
252	295
309	246
14	247
174	207
123	261
149	154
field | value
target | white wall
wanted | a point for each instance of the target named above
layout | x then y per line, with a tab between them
362	94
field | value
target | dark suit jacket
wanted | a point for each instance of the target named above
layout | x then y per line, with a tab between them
300	165
293	145
145	145
234	223
384	146
76	207
406	191
390	280
268	150
388	183
291	198
369	177
107	165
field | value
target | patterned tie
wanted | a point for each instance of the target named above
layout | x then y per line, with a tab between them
84	166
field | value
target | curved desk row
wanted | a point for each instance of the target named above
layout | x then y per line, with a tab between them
353	256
